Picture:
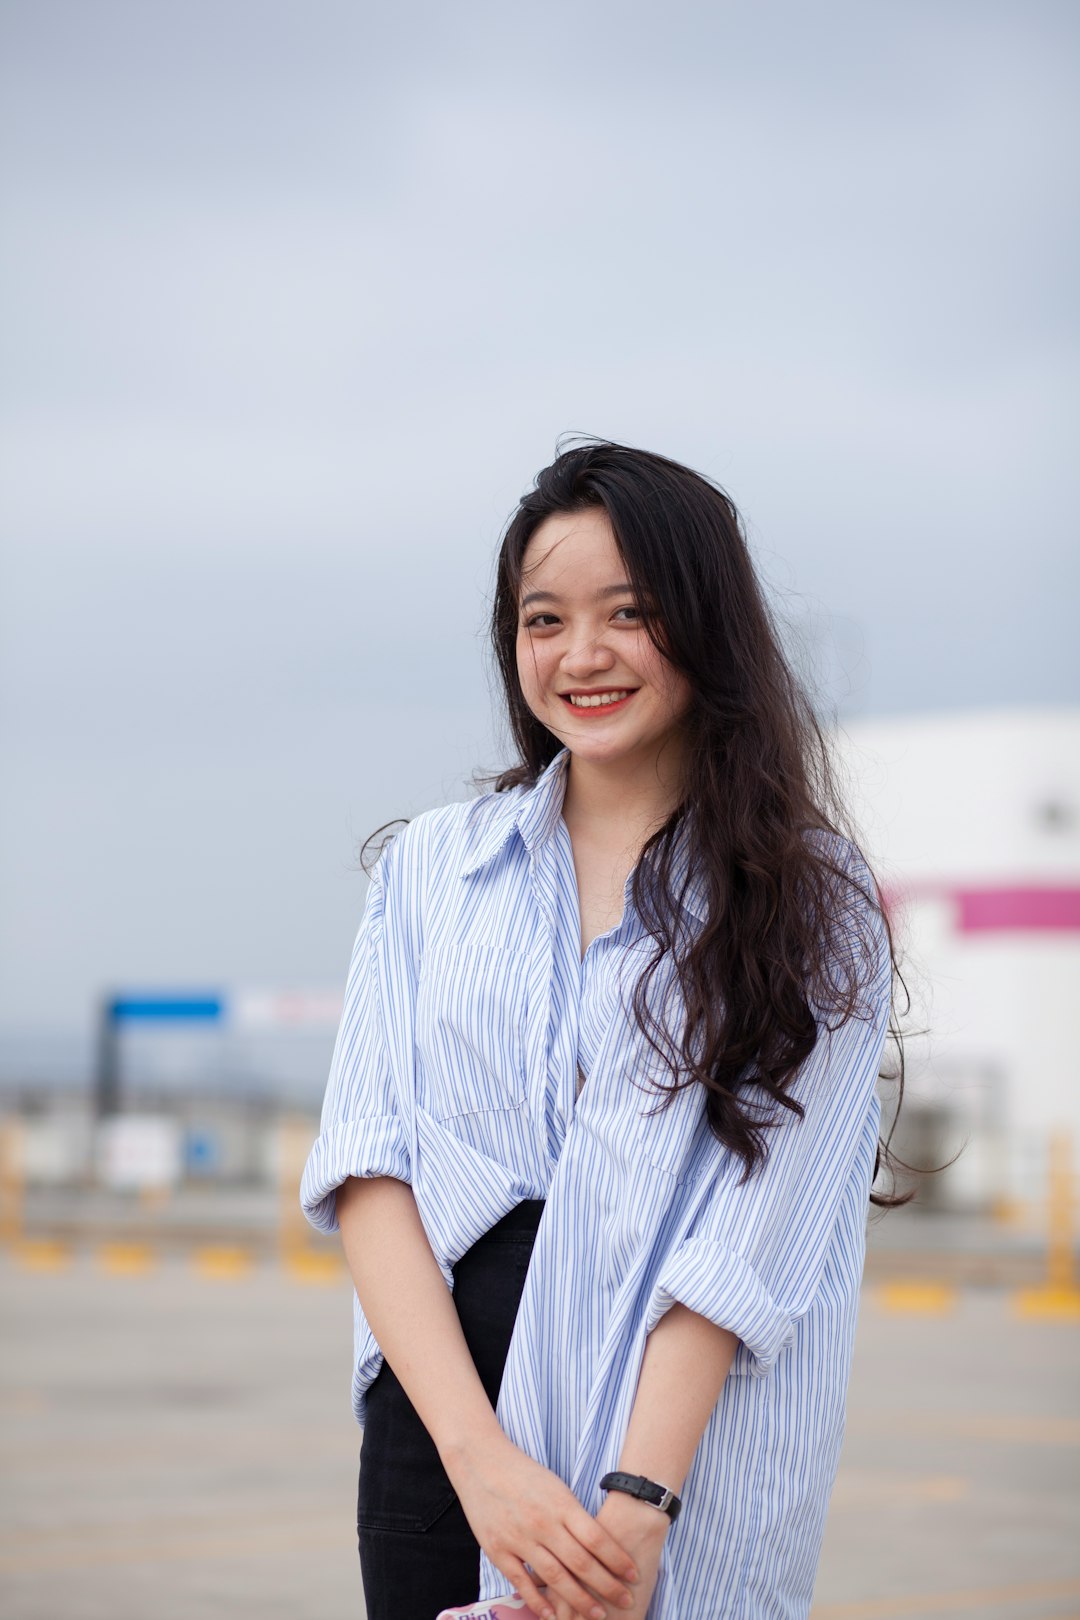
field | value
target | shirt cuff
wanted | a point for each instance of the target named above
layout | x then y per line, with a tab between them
724	1287
372	1146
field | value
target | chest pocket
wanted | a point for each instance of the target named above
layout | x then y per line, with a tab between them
472	1003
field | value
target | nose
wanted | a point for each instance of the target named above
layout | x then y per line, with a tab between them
589	658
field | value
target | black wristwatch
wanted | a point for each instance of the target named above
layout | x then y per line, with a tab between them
646	1490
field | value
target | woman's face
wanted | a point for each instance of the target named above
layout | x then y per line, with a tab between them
581	632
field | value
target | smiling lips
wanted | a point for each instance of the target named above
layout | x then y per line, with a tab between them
599	702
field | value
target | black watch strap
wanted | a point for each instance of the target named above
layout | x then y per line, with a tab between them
646	1490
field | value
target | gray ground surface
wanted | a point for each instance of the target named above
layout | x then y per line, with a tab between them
175	1445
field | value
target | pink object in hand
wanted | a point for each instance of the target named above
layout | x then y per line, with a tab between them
501	1608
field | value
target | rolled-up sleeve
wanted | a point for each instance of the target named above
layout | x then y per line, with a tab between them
360	1131
753	1257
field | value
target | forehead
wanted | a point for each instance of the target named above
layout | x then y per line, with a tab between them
570	542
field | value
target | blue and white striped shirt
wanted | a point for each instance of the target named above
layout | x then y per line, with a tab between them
468	1010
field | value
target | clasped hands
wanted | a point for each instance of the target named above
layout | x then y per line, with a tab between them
586	1566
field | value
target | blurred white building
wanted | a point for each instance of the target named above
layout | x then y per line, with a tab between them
972	822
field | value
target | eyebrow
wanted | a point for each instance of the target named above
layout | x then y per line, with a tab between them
550	596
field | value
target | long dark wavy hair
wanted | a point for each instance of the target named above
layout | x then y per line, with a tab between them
757	778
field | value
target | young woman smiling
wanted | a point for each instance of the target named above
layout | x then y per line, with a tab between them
602	1348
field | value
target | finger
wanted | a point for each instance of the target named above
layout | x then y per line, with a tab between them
603	1546
554	1574
586	1565
523	1583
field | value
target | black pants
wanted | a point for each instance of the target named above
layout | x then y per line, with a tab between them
417	1551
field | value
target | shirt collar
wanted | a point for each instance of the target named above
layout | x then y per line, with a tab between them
533	813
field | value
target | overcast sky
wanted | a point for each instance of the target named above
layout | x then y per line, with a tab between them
297	299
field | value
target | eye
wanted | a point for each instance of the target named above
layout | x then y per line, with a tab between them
534	619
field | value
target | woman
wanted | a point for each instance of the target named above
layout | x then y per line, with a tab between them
602	1124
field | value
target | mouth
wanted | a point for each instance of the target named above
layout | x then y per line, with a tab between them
598	702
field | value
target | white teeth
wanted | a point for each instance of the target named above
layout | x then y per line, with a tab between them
599	701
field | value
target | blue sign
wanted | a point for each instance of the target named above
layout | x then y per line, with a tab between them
191	1008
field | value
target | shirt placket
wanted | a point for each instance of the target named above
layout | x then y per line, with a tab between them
609	955
544	1091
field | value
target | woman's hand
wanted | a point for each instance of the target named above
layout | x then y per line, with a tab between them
642	1530
522	1513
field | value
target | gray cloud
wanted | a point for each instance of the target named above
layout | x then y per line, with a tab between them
298	298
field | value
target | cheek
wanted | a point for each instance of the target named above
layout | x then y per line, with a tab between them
669	683
532	673
680	692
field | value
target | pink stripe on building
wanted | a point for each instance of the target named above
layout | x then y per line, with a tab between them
1001	908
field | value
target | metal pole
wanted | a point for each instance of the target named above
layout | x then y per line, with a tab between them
1060	1261
107	1077
11	1180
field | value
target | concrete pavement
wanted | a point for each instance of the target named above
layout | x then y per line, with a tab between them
178	1443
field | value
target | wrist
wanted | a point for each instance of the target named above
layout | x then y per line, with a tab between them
634	1518
460	1447
644	1488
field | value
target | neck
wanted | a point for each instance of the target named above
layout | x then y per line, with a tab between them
630	796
